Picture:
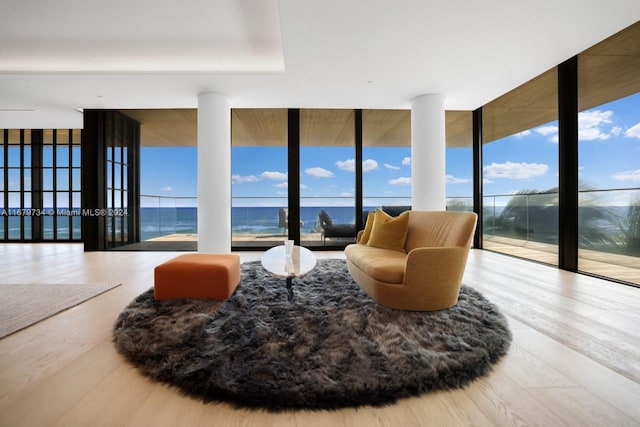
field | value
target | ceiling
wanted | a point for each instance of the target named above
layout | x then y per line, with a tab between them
58	58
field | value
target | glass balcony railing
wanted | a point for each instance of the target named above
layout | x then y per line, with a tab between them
526	225
607	219
257	219
168	218
521	224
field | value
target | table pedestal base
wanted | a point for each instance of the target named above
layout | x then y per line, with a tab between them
289	288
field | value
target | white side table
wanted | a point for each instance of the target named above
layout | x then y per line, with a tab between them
301	261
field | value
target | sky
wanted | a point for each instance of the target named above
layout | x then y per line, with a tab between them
609	158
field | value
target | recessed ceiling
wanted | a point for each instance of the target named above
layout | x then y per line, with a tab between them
57	58
143	36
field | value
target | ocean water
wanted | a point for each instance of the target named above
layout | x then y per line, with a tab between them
156	222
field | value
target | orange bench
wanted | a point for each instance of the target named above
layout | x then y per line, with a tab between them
197	275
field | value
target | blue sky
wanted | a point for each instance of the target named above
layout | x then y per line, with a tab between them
609	157
609	152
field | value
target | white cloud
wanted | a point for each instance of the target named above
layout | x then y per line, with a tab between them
627	176
486	181
547	130
282	185
590	125
318	172
392	167
349	165
551	132
369	165
273	175
303	187
453	180
523	133
239	179
168	188
512	170
346	194
633	131
406	161
400	181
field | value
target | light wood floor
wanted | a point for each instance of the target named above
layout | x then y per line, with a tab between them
575	357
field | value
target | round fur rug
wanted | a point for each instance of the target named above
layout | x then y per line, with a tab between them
331	347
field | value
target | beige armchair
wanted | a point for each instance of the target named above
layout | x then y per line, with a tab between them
429	275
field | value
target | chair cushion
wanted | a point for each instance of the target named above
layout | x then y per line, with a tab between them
380	264
389	232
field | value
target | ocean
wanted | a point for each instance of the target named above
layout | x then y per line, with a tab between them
155	222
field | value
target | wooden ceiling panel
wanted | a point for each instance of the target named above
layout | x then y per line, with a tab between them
607	71
166	127
459	129
327	127
610	70
386	128
262	127
527	106
259	127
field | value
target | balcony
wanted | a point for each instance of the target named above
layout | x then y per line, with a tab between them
524	225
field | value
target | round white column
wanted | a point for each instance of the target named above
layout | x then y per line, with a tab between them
214	173
428	176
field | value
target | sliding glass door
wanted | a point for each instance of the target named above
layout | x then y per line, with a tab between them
260	181
327	177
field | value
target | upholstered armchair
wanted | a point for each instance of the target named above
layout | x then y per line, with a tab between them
427	274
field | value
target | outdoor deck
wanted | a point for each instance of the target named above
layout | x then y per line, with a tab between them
619	267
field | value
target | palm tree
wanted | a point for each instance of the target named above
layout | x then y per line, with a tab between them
533	215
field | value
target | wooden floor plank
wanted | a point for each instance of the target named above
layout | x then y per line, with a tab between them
572	337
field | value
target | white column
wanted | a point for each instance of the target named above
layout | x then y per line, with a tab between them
214	173
428	179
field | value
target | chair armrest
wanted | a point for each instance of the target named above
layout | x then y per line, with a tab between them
359	235
440	266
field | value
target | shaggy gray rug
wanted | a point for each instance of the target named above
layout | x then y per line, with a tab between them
331	347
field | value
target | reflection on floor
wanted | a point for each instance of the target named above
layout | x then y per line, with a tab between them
189	242
619	267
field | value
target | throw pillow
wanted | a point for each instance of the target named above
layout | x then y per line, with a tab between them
367	228
389	232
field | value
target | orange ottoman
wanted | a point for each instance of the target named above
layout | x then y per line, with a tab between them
197	275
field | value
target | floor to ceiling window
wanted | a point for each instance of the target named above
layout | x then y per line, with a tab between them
15	166
259	177
168	202
520	170
459	160
386	154
609	157
40	185
61	184
327	176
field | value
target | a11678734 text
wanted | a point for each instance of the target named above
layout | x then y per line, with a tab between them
64	212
